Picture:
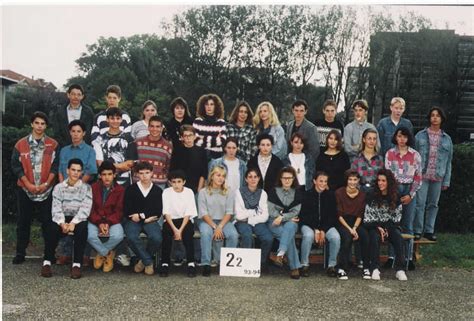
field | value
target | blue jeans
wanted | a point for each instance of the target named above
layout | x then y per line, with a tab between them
408	212
153	232
263	234
116	236
427	198
332	237
208	245
285	233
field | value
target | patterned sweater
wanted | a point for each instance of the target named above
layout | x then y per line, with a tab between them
406	168
383	215
71	201
211	134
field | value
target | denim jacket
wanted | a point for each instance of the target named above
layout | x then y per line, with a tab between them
445	154
309	167
220	161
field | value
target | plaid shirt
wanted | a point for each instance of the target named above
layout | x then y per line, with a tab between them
71	201
247	140
367	169
406	168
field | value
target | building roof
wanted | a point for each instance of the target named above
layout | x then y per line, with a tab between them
30	82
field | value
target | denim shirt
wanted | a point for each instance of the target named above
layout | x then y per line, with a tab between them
387	128
445	154
220	161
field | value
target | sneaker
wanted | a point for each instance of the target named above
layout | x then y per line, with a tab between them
401	275
277	260
206	270
178	262
123	260
191	271
64	260
98	261
389	263
430	236
75	272
164	271
149	270
295	274
109	262
376	275
139	267
304	271
411	265
214	263
366	274
18	259
360	265
417	236
331	271
46	271
342	275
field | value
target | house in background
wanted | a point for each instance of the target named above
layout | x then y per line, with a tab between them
6	82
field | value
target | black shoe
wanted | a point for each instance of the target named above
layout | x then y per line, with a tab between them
411	265
331	272
389	263
417	236
18	259
206	270
304	271
191	271
164	271
430	236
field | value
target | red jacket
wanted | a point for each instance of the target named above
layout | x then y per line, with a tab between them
111	211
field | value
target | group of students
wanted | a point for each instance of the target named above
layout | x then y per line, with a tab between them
230	180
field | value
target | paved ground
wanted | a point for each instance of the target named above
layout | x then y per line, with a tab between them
429	293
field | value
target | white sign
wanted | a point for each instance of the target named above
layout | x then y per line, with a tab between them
240	262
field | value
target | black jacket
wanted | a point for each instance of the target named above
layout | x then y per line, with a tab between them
318	210
267	182
60	122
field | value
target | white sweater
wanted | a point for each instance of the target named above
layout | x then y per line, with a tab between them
253	217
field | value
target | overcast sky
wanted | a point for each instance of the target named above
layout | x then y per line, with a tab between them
44	41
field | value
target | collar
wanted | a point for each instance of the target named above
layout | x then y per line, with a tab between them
410	150
143	189
66	183
69	107
31	140
80	146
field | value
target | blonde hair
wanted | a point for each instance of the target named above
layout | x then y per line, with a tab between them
398	100
214	170
273	115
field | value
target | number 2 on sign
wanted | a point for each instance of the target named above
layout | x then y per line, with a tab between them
232	257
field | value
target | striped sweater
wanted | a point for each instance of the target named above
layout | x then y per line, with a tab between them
211	134
71	201
157	153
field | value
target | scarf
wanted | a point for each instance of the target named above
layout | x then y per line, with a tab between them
251	199
273	197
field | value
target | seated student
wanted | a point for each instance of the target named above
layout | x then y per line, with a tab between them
234	166
72	202
216	208
179	209
268	164
301	161
284	205
350	212
251	214
142	208
318	223
106	216
383	213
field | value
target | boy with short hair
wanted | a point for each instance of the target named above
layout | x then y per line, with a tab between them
105	217
179	209
328	123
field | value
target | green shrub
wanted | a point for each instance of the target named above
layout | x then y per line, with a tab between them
456	206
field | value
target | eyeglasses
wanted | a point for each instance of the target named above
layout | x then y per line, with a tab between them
188	135
288	178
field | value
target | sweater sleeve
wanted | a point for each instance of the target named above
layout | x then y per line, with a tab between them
85	209
15	163
241	213
202	204
128	200
261	214
329	218
57	206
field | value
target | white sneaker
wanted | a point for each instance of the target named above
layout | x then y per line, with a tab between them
366	274
401	276
214	263
123	260
376	275
341	275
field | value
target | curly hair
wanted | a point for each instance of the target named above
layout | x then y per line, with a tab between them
219	106
392	189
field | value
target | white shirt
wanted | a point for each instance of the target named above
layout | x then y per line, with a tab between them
144	190
233	174
297	162
179	205
263	163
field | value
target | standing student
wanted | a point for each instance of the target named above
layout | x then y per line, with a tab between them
251	214
240	126
301	161
350	213
105	217
179	210
405	164
353	131
318	223
303	126
181	116
387	125
142	209
333	161
35	163
72	202
436	151
268	163
140	127
284	205
383	213
266	121
216	210
210	125
328	123
113	95
74	110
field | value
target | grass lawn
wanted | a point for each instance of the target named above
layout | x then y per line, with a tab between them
451	251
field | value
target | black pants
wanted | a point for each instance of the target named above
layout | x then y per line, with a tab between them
187	236
55	233
26	207
346	243
395	238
